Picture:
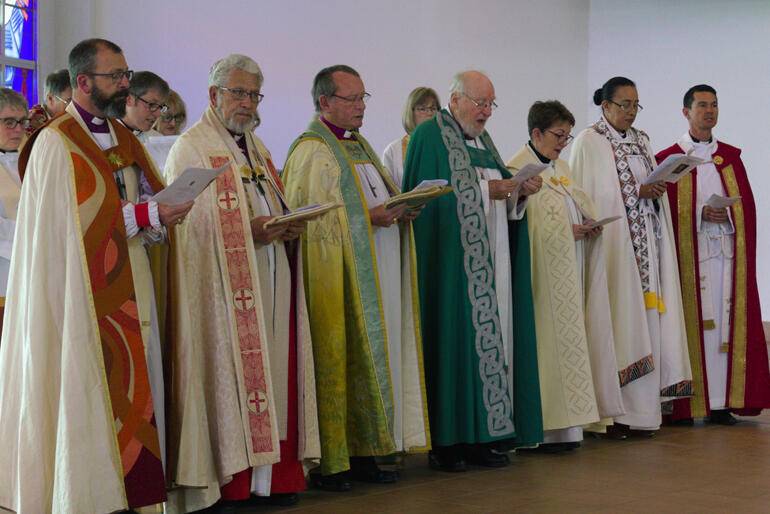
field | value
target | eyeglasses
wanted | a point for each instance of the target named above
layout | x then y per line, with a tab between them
431	110
168	118
628	106
10	123
491	105
152	106
62	100
354	99
116	76
242	94
561	137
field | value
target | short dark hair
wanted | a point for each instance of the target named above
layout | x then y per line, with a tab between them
323	83
57	82
543	115
83	55
607	91
144	81
689	96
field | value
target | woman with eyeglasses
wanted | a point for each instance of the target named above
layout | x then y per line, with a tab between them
575	353
14	115
421	105
172	122
610	161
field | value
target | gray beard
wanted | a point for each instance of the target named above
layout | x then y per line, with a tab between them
469	130
236	126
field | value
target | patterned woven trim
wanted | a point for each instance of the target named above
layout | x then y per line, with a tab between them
683	389
480	275
637	224
636	370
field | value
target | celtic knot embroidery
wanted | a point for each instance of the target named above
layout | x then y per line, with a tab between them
480	275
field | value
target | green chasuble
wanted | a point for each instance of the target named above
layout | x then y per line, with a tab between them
350	341
470	399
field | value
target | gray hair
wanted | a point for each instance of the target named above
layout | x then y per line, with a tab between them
10	98
57	82
220	73
323	83
458	84
83	56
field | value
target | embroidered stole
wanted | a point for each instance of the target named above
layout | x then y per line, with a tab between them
637	223
114	306
479	270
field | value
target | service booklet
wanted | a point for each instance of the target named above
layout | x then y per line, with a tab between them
721	202
308	212
189	185
425	191
674	167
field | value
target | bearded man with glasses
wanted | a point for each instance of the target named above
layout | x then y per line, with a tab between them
474	280
81	384
244	418
360	276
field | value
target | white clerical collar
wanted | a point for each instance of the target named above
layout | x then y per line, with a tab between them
701	147
614	133
98	121
237	137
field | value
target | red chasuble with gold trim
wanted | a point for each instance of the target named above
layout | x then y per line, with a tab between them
114	301
748	379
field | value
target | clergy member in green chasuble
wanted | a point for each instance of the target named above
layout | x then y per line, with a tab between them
474	281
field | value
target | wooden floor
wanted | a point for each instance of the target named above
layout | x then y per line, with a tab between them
704	468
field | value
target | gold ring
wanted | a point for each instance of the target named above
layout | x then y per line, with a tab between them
395	220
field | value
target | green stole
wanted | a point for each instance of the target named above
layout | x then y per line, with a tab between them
347	153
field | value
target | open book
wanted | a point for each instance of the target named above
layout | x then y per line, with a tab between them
308	212
674	167
425	191
189	185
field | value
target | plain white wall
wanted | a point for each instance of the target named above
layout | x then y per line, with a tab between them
560	49
666	47
396	46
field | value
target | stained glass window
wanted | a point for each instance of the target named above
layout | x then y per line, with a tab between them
18	60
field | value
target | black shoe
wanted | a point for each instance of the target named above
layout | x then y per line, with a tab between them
684	422
337	482
277	499
364	469
722	417
574	445
482	455
446	458
643	434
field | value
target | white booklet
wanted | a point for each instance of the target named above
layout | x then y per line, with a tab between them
158	147
189	185
529	170
604	221
721	202
674	167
